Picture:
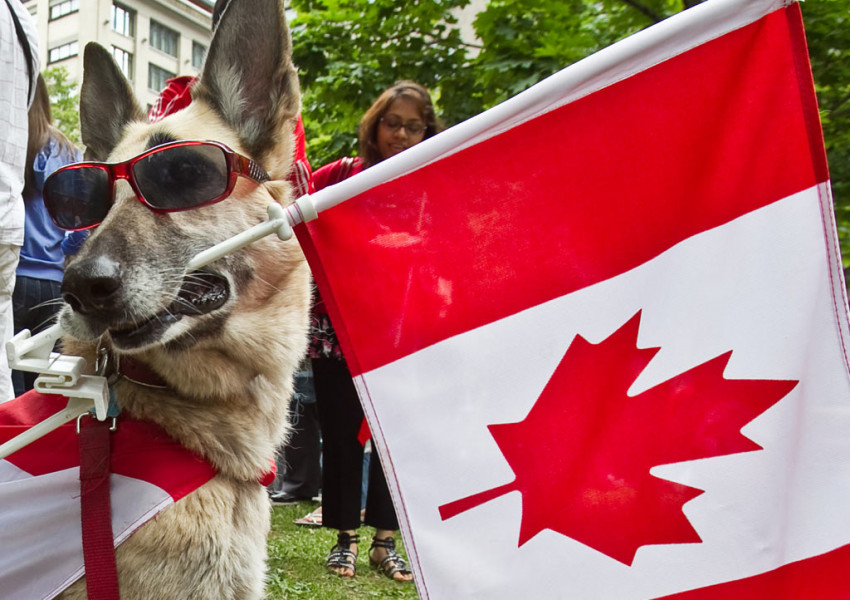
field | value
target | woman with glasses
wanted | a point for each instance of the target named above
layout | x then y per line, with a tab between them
401	117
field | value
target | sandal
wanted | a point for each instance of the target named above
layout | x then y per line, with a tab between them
392	563
341	556
313	519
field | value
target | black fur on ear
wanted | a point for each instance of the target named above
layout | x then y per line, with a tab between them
107	103
248	77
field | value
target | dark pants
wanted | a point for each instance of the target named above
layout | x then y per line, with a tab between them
340	416
35	303
298	467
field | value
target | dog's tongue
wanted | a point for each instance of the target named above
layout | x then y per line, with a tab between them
201	293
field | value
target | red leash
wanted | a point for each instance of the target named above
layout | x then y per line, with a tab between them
95	503
98	541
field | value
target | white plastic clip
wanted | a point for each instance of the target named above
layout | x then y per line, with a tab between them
278	221
59	374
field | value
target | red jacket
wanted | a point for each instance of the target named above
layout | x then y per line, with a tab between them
336	171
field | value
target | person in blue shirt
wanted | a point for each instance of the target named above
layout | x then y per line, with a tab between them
36	297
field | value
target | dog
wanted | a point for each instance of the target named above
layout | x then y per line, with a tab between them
226	339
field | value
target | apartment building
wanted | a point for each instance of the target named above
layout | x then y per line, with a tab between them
151	40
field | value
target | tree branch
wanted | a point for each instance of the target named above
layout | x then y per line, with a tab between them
644	10
838	109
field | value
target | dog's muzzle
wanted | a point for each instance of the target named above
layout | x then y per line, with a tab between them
97	292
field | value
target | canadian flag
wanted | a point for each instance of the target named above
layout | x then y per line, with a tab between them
600	332
41	550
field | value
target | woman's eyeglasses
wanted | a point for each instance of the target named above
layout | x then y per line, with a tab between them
394	124
168	178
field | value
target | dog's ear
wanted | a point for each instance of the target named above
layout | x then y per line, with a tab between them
107	103
248	77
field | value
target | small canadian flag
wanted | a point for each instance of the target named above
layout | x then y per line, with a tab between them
41	548
600	332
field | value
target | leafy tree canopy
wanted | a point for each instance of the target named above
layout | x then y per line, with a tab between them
64	103
525	41
349	51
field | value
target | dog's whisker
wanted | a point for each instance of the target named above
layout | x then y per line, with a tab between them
268	283
189	333
51	302
46	323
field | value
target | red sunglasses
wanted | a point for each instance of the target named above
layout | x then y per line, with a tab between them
168	178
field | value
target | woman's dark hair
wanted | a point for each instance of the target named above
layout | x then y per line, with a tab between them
41	129
368	133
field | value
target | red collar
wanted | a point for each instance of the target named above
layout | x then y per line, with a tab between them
140	373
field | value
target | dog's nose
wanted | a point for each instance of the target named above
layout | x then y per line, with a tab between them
92	284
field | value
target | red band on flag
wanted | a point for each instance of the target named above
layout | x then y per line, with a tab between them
139	449
807	84
820	577
585	192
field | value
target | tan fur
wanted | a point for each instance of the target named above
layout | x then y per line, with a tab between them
230	388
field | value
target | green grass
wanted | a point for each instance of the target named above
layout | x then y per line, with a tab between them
297	563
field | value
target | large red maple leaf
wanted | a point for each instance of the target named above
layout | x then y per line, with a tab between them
582	455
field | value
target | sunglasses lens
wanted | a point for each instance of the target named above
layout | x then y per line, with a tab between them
78	198
182	177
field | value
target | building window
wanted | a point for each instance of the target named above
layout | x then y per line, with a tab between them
123	20
163	38
124	60
62	52
62	8
158	78
199	53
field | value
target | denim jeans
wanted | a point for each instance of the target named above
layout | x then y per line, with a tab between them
35	303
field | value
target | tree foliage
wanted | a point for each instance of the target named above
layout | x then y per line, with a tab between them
64	103
525	41
348	51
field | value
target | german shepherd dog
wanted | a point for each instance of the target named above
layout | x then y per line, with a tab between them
226	339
